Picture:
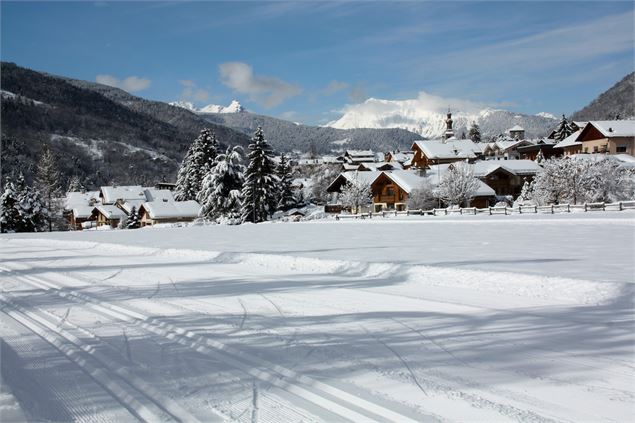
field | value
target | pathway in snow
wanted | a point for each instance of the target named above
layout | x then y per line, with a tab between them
97	332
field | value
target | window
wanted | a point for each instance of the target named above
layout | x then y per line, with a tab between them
620	149
390	191
596	149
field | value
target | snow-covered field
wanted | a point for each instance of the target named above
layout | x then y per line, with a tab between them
485	318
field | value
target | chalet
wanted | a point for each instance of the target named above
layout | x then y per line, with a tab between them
78	215
344	178
605	136
79	206
359	156
506	177
107	215
152	213
506	149
543	147
402	157
517	132
434	152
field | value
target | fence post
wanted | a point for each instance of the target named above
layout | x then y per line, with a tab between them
568	208
421	212
474	208
603	206
461	210
585	207
552	209
520	209
490	210
446	211
620	206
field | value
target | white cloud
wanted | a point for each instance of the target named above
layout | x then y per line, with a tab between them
130	84
192	92
334	87
265	90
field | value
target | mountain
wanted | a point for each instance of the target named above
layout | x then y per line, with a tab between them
619	100
426	116
100	133
234	107
288	136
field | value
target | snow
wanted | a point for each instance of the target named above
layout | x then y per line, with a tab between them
569	141
450	148
171	209
111	212
111	194
465	318
546	115
615	128
233	107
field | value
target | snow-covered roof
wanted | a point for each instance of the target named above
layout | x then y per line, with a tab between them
409	180
381	166
153	194
614	128
76	199
516	128
82	212
448	149
110	211
401	156
131	192
360	153
516	167
570	141
128	205
172	209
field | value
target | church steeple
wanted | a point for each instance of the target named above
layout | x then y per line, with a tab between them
449	132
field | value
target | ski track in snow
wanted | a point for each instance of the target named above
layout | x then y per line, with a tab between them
178	335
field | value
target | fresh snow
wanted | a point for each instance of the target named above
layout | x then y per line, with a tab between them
463	318
233	107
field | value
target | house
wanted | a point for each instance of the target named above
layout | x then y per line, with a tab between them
506	149
602	136
366	177
434	152
359	156
517	132
78	215
404	158
152	213
78	207
107	214
543	147
506	177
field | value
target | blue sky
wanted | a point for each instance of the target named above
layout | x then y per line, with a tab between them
305	61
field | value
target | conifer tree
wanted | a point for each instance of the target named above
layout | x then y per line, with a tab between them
475	132
75	185
197	163
221	194
33	214
132	222
563	130
286	199
47	183
9	208
259	188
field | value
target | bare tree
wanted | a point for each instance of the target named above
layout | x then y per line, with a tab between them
458	185
356	193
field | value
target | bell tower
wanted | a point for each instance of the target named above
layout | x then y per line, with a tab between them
449	132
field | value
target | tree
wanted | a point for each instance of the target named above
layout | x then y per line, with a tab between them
475	133
197	163
458	185
259	188
356	193
563	130
33	214
47	183
286	199
562	180
609	182
221	195
422	197
9	209
75	185
132	222
320	181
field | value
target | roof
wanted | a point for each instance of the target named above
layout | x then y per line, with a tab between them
365	177
401	156
570	141
360	153
77	199
131	192
172	209
516	167
110	211
614	128
516	128
409	180
128	205
153	194
448	149
83	212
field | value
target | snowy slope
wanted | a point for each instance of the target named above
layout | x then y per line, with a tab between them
504	323
426	116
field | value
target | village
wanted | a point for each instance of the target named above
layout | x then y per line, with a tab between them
501	170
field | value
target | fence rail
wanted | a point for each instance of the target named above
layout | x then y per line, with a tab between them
547	209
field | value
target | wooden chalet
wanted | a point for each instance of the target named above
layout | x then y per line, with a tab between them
107	214
506	149
544	148
605	137
506	177
155	212
435	152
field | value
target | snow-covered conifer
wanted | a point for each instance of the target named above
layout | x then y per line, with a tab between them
33	213
9	208
286	199
75	185
221	194
458	185
132	222
197	163
563	130
475	132
259	188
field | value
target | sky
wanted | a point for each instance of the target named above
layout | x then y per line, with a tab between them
309	61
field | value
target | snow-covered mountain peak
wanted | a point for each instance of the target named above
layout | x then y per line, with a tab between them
234	107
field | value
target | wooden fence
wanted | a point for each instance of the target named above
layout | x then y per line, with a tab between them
549	209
